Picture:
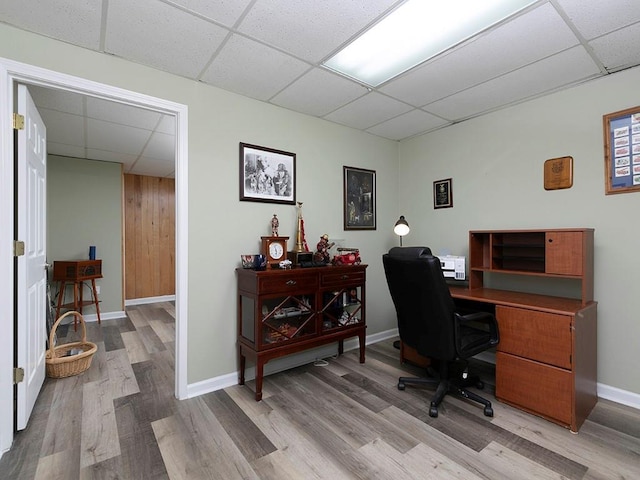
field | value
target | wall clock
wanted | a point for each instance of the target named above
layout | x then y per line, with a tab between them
274	249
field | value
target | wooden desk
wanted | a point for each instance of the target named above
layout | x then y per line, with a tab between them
546	361
75	273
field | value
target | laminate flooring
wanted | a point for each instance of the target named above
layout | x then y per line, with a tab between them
344	420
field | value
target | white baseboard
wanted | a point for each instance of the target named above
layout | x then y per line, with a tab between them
619	396
145	300
92	317
211	385
283	363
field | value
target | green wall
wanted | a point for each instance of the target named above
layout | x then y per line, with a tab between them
496	162
84	207
221	228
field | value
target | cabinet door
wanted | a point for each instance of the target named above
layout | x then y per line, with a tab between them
563	253
541	336
286	318
341	308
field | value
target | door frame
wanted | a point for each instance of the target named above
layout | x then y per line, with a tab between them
11	73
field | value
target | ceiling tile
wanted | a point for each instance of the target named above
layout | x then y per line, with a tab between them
116	112
74	151
161	36
73	21
226	12
161	146
154	167
560	70
493	54
110	156
116	138
619	49
597	17
167	125
59	100
407	125
318	93
65	128
310	29
368	110
253	69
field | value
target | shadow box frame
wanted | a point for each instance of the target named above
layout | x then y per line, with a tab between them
359	198
267	175
622	151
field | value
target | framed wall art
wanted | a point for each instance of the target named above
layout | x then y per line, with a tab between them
442	193
267	175
622	151
359	206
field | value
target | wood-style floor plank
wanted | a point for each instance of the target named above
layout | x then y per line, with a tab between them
345	420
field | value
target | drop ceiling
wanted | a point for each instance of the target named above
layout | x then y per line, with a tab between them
272	51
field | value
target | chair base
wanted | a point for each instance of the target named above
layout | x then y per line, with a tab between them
446	386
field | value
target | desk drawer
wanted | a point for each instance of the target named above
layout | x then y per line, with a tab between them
541	336
286	284
534	386
337	279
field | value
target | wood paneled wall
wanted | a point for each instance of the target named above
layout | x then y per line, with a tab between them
149	236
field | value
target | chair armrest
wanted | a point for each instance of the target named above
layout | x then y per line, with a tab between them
484	318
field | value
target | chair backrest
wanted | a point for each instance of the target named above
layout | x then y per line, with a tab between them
422	300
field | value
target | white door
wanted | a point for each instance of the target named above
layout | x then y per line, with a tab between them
31	287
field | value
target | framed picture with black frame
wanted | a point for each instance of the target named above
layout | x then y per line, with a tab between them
442	193
267	175
359	206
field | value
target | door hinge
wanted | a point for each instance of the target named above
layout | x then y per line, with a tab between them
18	248
18	121
18	375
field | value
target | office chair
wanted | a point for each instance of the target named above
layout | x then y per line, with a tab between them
429	322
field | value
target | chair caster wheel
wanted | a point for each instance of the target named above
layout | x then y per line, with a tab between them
488	411
480	385
433	412
401	386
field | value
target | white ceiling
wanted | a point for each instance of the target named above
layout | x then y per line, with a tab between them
272	50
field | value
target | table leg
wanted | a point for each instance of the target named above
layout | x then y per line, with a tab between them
362	339
259	374
60	297
75	305
95	298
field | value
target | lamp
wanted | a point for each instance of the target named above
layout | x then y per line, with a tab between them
401	228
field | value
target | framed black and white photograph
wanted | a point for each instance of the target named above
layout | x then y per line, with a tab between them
359	199
442	194
267	175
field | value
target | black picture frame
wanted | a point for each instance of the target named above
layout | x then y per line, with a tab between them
443	193
267	175
359	205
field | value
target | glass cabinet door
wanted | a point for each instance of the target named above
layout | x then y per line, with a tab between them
287	318
341	308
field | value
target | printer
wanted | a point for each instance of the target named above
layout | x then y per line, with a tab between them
453	266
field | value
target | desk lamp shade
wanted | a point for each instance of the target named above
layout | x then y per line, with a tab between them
401	228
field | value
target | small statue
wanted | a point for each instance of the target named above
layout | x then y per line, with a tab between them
322	250
275	223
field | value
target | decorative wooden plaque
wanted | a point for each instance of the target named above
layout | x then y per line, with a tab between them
558	173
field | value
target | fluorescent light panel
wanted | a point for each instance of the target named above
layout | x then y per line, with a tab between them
416	31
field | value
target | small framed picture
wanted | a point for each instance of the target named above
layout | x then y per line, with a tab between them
442	194
359	204
267	175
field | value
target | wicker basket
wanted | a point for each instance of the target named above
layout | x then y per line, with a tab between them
59	363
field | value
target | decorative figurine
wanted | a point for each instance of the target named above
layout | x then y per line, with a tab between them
322	250
275	223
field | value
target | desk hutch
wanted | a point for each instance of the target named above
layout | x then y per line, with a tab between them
281	312
546	361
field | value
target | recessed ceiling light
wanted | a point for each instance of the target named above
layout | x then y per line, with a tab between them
416	31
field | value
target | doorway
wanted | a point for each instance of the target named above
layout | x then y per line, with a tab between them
11	74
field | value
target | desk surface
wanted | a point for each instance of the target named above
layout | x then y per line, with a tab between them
559	305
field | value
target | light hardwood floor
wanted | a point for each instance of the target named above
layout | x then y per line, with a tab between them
345	420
